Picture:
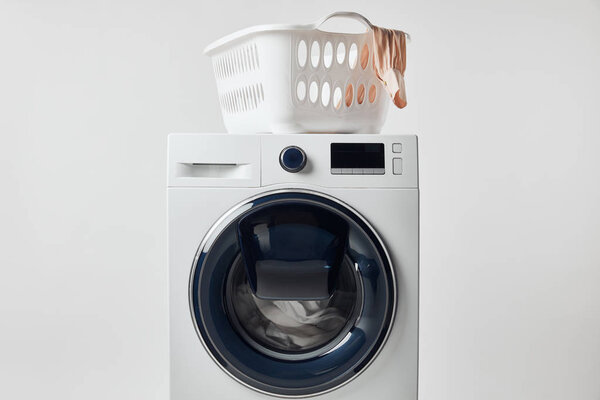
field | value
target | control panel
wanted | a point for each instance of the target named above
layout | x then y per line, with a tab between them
315	160
336	160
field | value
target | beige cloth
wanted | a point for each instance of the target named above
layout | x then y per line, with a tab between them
389	62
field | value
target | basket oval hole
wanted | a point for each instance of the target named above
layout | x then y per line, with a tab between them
302	53
372	93
337	97
313	92
349	94
341	53
325	94
327	54
360	94
301	90
352	55
364	56
315	54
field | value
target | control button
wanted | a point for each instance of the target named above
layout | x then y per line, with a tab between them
368	171
397	148
336	171
292	159
397	164
357	171
378	171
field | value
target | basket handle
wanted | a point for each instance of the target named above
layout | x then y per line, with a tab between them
352	15
345	14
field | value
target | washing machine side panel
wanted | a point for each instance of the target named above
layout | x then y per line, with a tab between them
194	374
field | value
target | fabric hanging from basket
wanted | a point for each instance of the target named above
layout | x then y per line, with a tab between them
389	62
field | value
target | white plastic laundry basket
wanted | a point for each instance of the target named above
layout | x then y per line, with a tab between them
297	78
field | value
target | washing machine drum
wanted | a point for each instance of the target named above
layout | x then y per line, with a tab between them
292	293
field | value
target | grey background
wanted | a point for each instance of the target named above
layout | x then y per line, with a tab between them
504	95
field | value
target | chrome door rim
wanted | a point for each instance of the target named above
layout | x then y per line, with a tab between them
224	221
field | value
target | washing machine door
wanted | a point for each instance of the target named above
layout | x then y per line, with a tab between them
292	293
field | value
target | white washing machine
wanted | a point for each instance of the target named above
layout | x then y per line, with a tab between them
293	266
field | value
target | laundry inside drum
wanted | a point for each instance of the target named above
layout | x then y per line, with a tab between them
294	329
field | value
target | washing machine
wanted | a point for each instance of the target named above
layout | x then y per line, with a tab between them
293	266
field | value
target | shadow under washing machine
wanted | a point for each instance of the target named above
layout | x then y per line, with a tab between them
293	266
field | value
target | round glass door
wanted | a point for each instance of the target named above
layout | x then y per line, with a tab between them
292	293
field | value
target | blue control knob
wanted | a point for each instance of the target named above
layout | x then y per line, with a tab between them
292	159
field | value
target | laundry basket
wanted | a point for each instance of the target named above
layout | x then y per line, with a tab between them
297	78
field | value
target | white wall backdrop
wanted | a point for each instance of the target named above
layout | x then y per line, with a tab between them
503	94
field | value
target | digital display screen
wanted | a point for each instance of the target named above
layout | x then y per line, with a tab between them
357	155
